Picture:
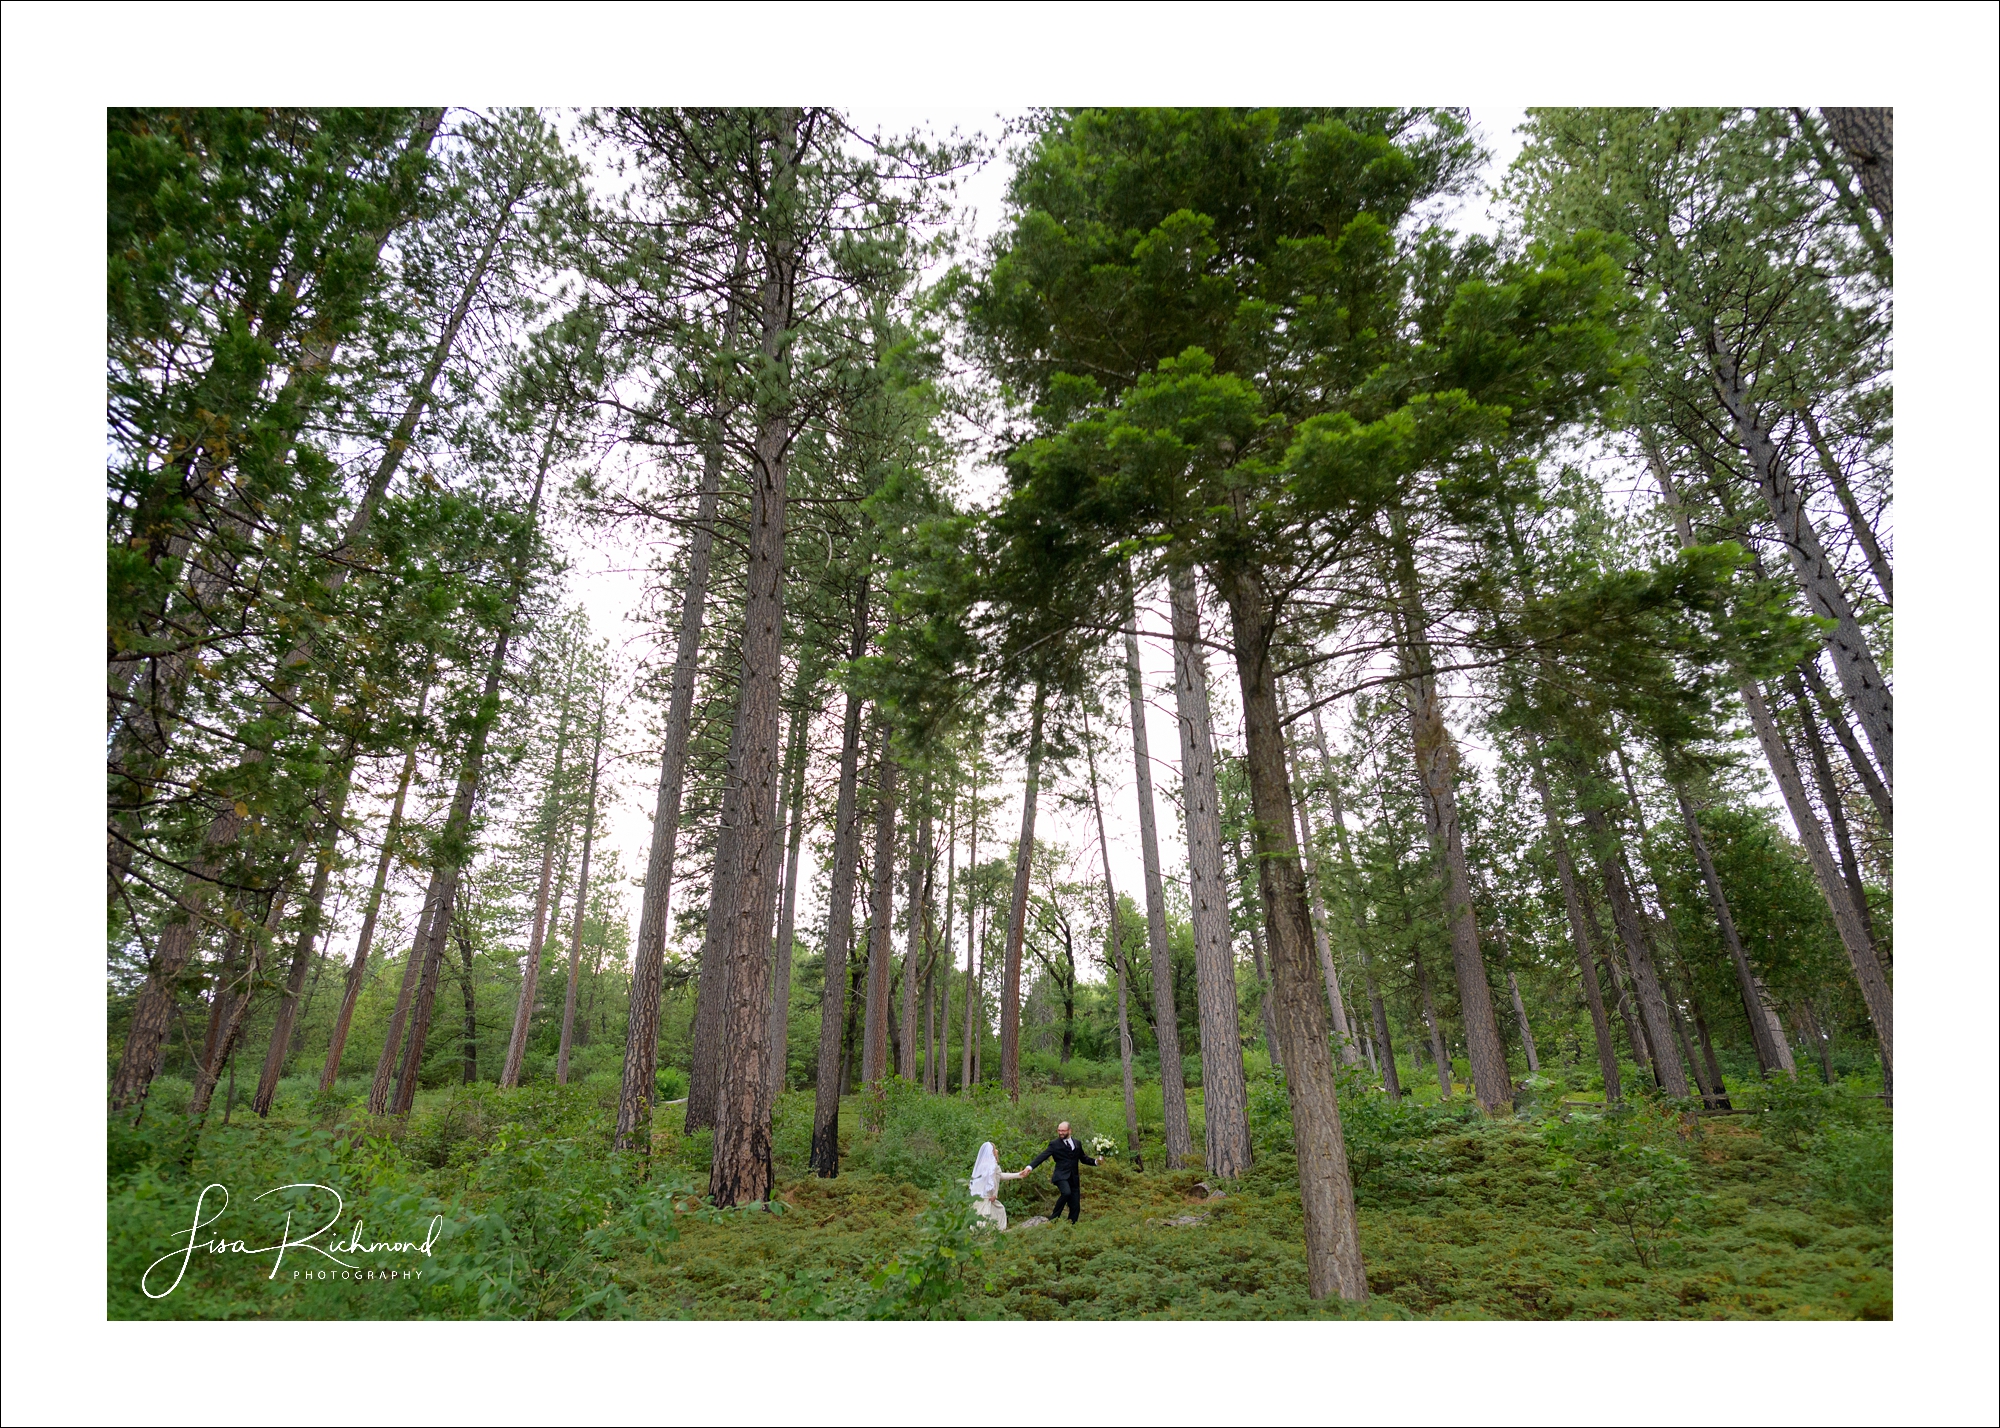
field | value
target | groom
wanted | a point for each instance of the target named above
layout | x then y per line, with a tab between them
1067	1155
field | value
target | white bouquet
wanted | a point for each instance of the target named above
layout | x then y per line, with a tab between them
1102	1145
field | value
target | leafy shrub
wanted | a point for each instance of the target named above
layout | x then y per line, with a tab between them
1621	1168
1854	1165
928	1280
1796	1109
671	1083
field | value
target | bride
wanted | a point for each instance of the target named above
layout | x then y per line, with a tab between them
985	1185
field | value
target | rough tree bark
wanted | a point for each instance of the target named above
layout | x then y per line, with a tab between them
1017	912
972	985
1379	1013
1326	1192
1225	1105
1863	766
742	1168
1867	137
1653	1010
582	902
1177	1134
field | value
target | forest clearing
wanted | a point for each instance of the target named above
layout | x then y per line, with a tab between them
670	676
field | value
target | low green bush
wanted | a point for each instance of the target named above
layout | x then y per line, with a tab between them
1854	1165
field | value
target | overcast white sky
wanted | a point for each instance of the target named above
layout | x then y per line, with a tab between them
608	581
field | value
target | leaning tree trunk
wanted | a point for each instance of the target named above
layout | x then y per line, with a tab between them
1864	533
524	1008
1224	1096
1868	975
1836	812
1579	920
455	839
1017	913
381	1087
582	901
302	957
1762	1037
210	1071
1653	1011
829	1071
357	971
642	1027
1326	1192
1521	1019
875	1014
1863	766
1166	1021
1867	692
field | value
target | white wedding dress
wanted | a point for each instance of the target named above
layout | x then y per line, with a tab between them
985	1186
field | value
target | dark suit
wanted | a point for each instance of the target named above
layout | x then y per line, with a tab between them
1067	1155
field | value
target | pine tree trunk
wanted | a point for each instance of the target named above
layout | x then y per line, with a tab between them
458	822
638	1078
1521	1018
357	971
1378	1012
917	874
1867	692
1433	1024
742	1167
582	903
471	1036
875	1021
1119	969
1867	137
1579	921
1326	1193
1350	1054
830	1069
950	949
1864	768
1437	766
302	956
1754	1011
968	1054
1653	1012
1017	913
209	1073
1224	1096
1176	1133
1251	899
1864	533
380	1088
524	1008
781	951
1836	813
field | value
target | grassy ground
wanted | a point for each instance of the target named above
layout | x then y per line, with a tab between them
1648	1214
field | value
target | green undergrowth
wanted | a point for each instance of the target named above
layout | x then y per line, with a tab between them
1562	1211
